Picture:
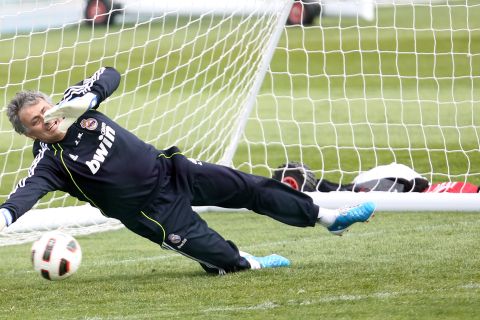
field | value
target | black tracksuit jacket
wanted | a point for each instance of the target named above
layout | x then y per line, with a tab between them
98	161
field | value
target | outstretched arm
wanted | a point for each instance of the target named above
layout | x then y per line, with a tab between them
83	96
42	178
27	193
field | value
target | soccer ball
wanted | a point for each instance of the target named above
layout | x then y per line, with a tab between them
56	255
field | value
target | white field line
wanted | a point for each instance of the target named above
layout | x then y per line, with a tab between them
338	298
268	305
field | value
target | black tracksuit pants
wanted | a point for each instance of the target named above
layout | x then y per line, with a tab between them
170	221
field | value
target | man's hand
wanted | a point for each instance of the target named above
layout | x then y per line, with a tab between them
70	111
3	223
5	218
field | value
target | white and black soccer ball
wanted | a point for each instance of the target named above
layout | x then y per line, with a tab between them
56	255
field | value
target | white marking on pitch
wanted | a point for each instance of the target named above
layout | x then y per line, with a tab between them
329	299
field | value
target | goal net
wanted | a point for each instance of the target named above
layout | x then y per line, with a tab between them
349	93
235	84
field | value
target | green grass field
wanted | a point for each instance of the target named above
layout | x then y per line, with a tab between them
355	99
399	266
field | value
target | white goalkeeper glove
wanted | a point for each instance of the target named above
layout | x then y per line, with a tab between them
70	111
5	218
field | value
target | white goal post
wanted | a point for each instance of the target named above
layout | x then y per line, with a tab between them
397	81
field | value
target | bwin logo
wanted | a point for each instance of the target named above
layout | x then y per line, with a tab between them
106	141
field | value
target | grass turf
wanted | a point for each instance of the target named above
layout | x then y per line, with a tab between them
398	266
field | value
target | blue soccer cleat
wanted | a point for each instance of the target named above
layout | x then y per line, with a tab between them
271	261
348	216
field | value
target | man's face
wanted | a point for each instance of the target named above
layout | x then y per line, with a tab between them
32	118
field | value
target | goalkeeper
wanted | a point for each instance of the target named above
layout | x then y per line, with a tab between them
81	151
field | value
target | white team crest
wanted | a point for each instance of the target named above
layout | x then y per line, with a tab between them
90	123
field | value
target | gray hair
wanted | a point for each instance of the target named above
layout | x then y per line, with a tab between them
23	99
